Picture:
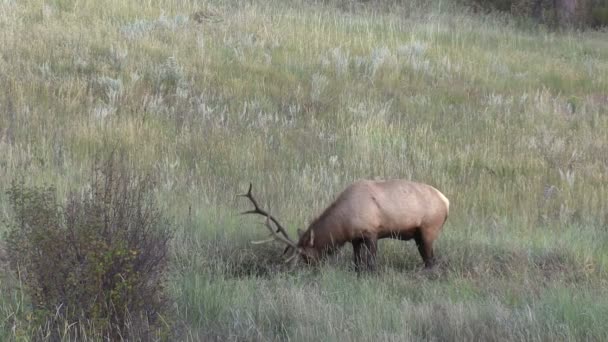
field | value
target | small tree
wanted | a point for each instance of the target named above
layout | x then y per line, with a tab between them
99	261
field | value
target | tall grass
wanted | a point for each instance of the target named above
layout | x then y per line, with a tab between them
301	98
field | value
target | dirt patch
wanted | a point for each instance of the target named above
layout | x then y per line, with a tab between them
556	265
207	15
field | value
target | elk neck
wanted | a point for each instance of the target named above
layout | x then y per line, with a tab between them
328	232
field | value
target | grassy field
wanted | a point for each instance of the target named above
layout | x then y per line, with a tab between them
301	98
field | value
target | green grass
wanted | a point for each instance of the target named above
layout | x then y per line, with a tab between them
301	99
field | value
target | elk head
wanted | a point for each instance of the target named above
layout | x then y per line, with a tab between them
278	233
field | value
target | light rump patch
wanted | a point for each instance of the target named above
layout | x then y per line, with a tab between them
445	200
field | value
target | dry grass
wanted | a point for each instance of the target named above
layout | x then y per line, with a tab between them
303	98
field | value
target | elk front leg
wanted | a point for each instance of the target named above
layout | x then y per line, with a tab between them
357	254
370	247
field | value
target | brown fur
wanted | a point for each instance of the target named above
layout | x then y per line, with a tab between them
370	210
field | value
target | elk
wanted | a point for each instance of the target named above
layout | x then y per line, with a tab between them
363	213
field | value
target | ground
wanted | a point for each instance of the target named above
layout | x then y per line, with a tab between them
509	120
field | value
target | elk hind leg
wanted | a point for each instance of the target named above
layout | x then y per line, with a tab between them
425	247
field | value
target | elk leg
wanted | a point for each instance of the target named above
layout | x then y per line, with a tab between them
371	246
357	254
425	247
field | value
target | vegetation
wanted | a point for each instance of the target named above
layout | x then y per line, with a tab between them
301	98
564	13
98	262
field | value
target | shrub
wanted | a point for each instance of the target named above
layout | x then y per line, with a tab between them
568	12
599	13
98	261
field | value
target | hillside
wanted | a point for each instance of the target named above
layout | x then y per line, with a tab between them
302	98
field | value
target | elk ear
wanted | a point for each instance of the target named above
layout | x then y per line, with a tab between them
300	233
311	241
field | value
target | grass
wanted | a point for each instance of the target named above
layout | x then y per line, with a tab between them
302	98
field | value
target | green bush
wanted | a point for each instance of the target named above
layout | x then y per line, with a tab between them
600	16
98	261
586	12
500	5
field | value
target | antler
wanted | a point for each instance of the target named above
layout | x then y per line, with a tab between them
283	237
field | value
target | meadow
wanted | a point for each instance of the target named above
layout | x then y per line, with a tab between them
508	119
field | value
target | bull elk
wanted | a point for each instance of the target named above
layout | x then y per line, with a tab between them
363	213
